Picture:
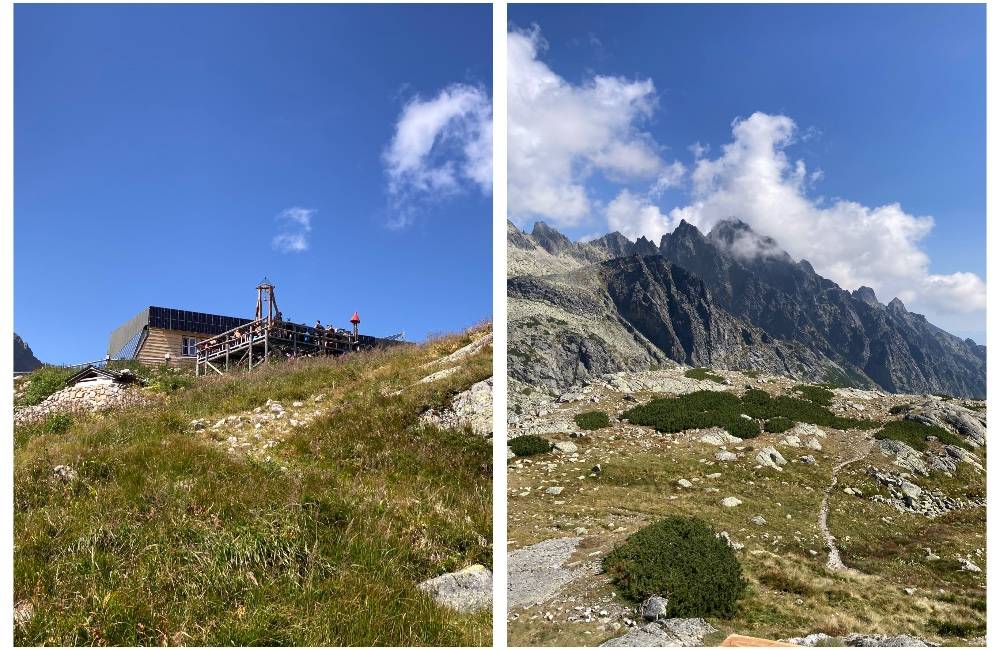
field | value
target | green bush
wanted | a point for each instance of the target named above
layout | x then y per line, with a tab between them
592	420
57	423
898	408
815	394
529	445
702	409
681	559
44	382
778	424
915	434
742	428
703	374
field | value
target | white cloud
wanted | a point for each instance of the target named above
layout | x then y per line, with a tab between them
634	216
296	224
852	244
559	134
440	146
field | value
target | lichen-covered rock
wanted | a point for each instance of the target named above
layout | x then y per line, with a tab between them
665	633
472	408
771	457
468	590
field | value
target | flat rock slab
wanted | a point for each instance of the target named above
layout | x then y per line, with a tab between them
537	572
468	590
668	633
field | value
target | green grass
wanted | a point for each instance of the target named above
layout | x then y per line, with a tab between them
915	434
702	409
165	538
704	374
592	420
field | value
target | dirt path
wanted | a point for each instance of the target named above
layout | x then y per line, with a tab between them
834	562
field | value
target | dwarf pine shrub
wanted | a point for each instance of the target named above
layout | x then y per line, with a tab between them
529	445
778	424
702	409
816	394
681	559
915	434
592	420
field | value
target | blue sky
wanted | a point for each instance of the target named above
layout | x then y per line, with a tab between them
888	104
157	148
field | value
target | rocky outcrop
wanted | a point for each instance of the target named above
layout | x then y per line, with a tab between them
466	591
537	573
471	408
24	358
669	633
967	423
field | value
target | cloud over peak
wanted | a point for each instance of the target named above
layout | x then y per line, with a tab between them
560	134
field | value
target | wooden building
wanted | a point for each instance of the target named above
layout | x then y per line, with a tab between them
158	335
208	342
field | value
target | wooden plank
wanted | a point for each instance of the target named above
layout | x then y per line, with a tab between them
741	641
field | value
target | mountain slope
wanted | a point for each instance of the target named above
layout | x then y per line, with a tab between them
300	504
633	313
24	358
790	319
750	277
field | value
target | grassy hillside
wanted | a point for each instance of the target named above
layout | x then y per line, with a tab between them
618	480
161	535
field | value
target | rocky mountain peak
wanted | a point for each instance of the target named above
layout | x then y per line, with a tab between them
24	358
867	296
614	243
517	238
896	306
549	238
738	239
644	246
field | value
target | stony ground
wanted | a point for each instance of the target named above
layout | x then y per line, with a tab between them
839	534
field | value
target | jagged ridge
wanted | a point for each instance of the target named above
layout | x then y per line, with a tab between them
743	303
